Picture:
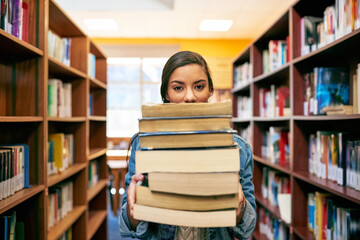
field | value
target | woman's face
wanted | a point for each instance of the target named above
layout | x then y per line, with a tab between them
188	84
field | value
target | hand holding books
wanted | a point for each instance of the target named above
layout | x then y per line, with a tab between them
131	198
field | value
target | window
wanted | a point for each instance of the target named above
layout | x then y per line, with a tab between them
131	82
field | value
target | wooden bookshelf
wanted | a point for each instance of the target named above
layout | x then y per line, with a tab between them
92	192
56	178
21	119
66	119
59	68
342	52
96	152
258	236
95	220
56	231
19	197
26	68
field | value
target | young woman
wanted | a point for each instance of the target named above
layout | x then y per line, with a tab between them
186	79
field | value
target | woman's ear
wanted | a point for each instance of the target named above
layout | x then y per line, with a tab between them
167	97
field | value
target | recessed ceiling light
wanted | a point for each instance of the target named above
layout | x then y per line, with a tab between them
215	25
100	24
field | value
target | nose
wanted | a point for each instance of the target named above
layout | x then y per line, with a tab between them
189	96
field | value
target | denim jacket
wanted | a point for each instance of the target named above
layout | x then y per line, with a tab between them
241	231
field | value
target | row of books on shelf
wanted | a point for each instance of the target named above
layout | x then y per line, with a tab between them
329	218
338	20
275	146
11	228
274	101
91	65
276	55
14	169
274	183
59	202
244	107
60	152
93	169
59	98
272	227
15	18
243	74
327	91
335	156
59	48
175	156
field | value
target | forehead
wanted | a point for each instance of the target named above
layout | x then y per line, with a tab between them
190	70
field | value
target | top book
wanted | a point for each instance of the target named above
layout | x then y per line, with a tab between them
186	109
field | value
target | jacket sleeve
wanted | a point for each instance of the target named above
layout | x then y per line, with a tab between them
248	222
142	230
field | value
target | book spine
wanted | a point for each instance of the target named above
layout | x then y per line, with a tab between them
25	22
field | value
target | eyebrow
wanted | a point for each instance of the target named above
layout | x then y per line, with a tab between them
176	81
180	82
201	80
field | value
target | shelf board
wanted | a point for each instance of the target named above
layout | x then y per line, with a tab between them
278	30
283	168
56	178
92	192
96	152
268	119
96	218
59	69
303	233
94	49
272	209
64	224
19	197
21	119
240	120
243	88
16	48
97	118
96	84
326	118
281	72
243	57
66	119
344	192
63	24
338	46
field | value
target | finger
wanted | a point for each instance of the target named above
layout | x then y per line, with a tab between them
131	192
137	177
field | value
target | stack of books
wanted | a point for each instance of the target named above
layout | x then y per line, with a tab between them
190	163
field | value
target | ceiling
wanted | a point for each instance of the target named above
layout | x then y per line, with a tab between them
176	18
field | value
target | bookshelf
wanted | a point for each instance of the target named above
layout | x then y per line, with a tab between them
342	52
27	68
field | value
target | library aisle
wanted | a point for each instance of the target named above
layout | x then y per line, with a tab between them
113	226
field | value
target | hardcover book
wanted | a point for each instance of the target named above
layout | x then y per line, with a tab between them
190	160
190	123
186	109
221	218
146	197
199	184
159	140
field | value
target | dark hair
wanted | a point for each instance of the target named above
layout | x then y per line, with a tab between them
180	59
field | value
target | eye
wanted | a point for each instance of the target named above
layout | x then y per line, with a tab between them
199	87
177	88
